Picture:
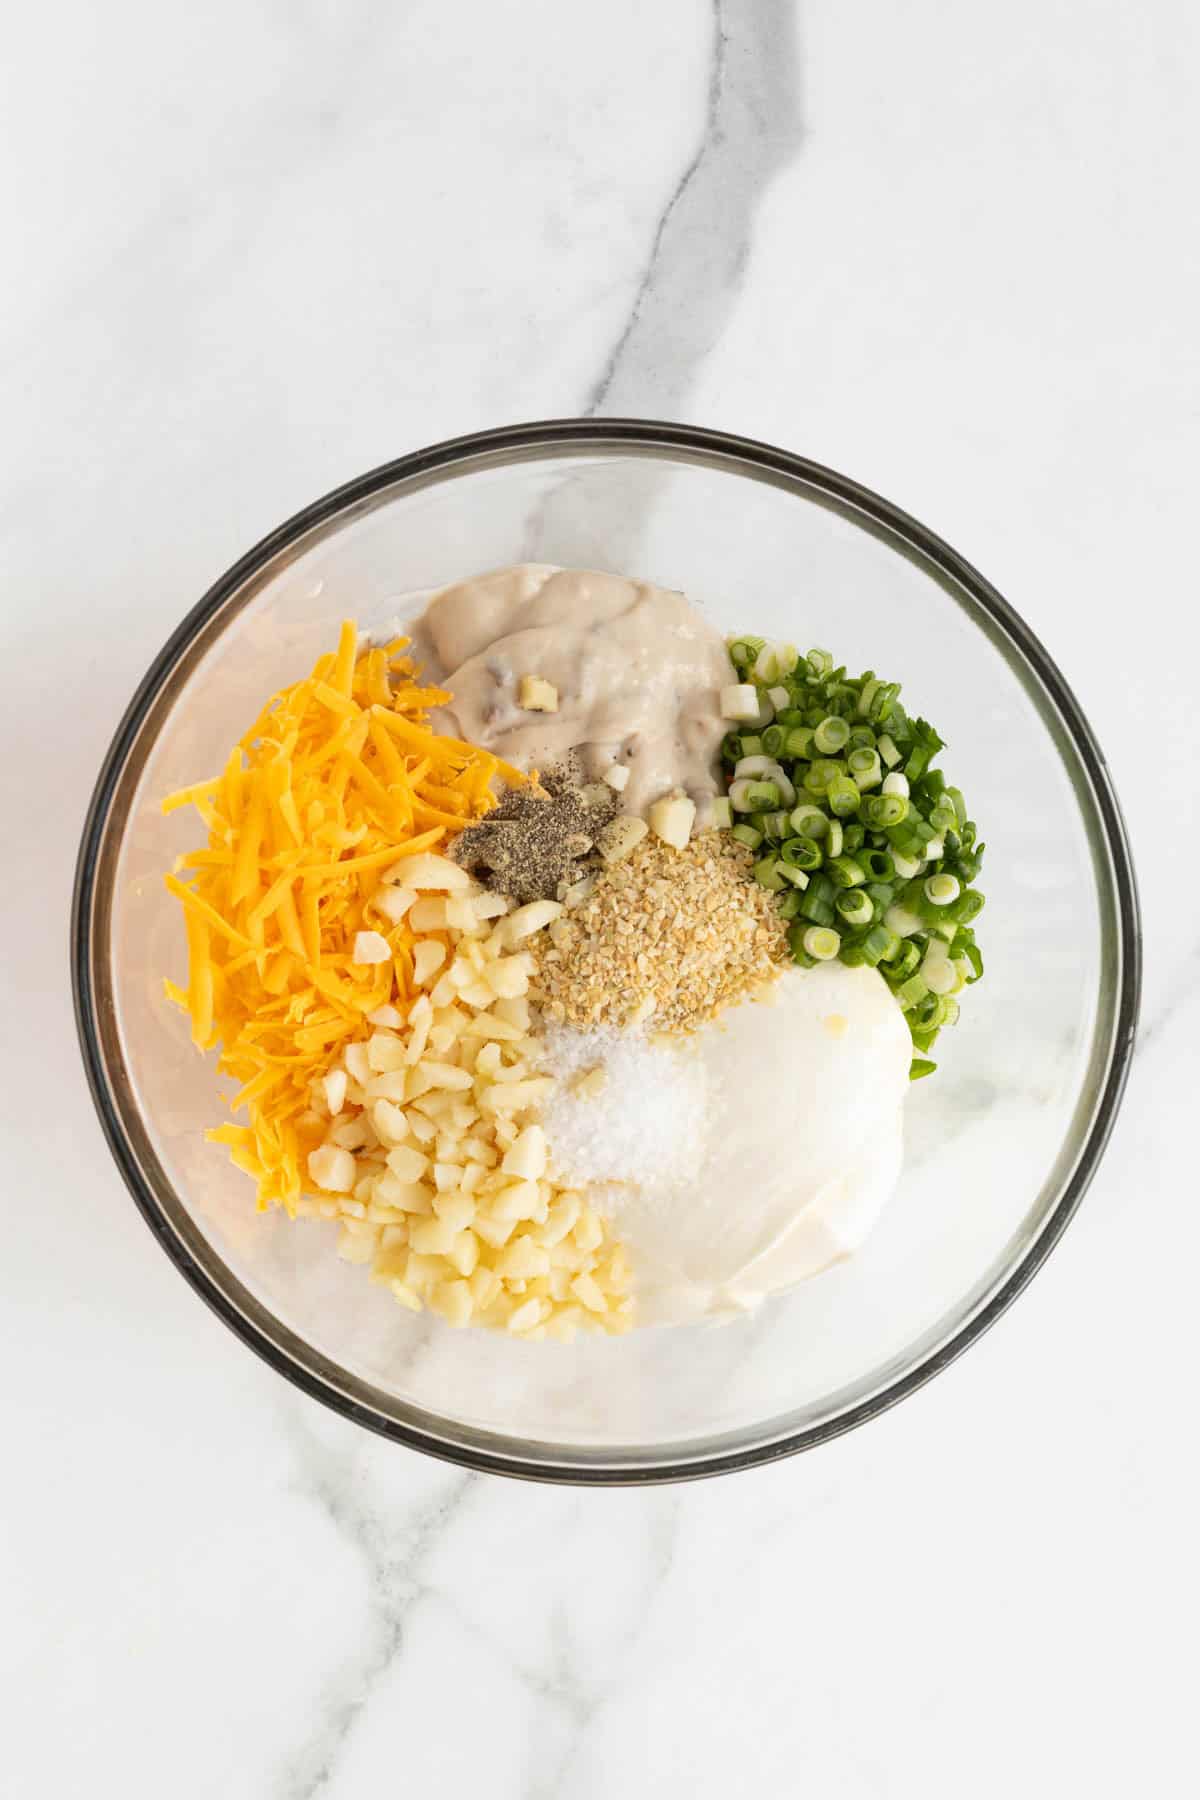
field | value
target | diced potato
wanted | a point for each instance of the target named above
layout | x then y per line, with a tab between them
428	957
515	1096
617	777
521	1259
672	819
526	920
508	978
588	1231
455	1209
514	1011
352	1135
453	1300
620	837
443	1075
390	1122
485	1287
536	695
422	1272
527	1316
490	906
429	914
385	1052
560	1219
356	1246
394	902
406	1196
333	1169
387	1087
527	1154
464	1253
432	1236
371	947
405	1162
495	1232
428	871
405	1295
517	1201
422	1128
585	1289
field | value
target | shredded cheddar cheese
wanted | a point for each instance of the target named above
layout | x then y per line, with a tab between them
337	781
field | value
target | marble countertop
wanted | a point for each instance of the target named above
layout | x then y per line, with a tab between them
258	248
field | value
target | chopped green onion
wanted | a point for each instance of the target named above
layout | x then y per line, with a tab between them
865	767
919	1066
911	992
941	889
831	735
821	943
791	873
844	872
767	875
878	859
902	921
878	864
801	853
809	821
842	797
742	651
816	907
880	944
722	813
855	907
903	962
882	812
819	774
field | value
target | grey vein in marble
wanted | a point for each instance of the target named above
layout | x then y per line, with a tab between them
700	244
394	1560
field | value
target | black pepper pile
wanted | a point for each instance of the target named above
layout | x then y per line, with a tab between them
536	843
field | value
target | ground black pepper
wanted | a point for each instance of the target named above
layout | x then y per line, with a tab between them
536	842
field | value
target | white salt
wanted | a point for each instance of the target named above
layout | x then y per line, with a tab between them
643	1122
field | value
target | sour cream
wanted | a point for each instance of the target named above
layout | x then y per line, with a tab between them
803	1148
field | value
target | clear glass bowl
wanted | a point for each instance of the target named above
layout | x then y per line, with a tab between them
1001	1143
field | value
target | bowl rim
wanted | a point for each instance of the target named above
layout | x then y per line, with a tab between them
756	458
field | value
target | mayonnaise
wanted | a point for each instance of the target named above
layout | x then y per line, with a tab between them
636	670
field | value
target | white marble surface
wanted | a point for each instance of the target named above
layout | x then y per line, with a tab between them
256	248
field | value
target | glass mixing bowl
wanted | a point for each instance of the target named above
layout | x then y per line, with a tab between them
1001	1142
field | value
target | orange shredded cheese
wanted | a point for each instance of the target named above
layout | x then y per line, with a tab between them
338	777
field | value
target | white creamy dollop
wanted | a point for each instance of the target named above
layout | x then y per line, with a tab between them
635	671
803	1147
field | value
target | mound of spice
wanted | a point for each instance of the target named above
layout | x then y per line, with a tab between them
536	844
667	938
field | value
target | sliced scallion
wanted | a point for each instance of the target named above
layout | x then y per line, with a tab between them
940	890
746	834
854	906
821	943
